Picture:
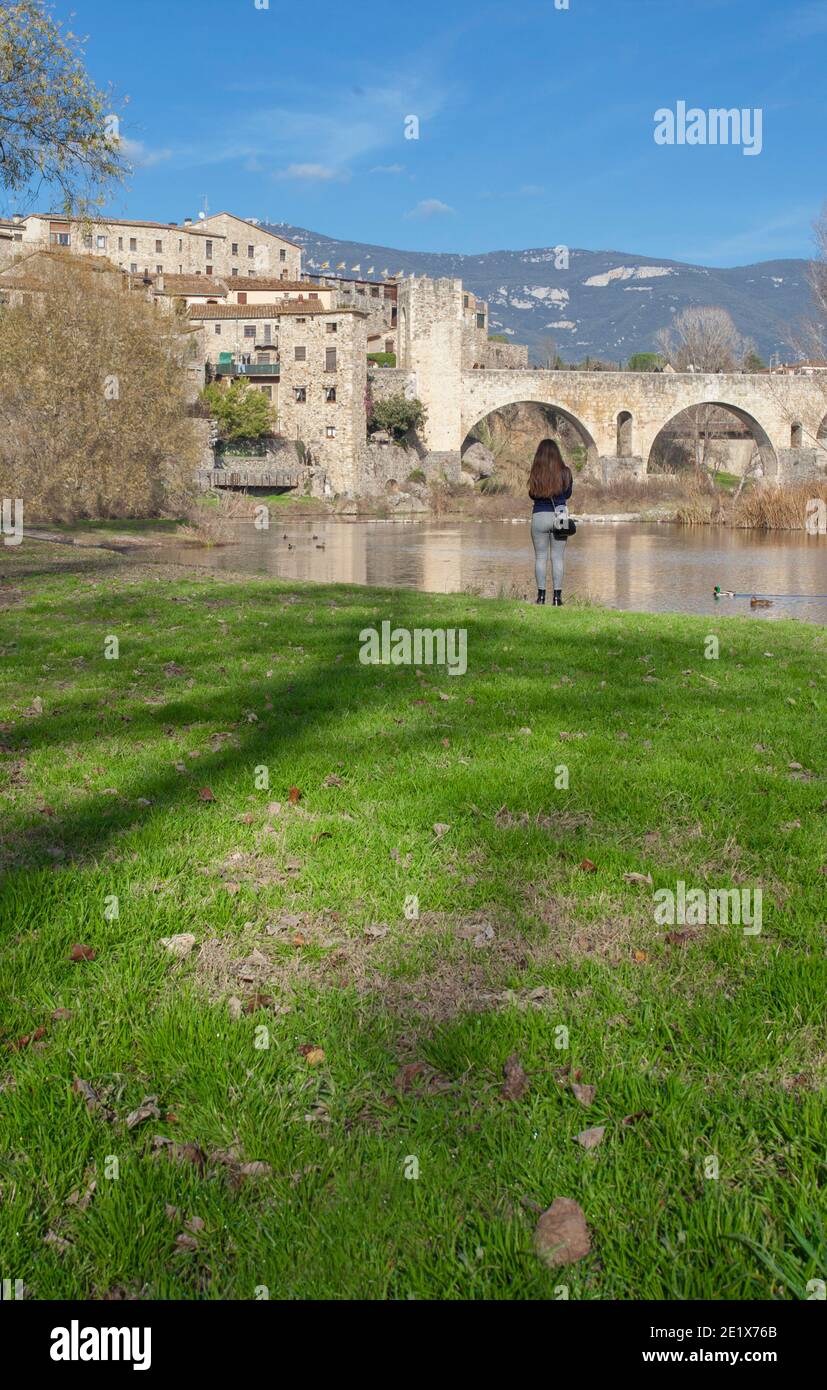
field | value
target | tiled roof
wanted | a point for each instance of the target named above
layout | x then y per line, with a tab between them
308	307
264	282
190	284
195	230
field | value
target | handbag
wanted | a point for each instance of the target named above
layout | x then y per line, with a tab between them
562	525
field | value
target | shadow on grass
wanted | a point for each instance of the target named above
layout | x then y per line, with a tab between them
312	704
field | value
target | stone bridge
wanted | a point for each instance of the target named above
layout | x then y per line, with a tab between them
618	415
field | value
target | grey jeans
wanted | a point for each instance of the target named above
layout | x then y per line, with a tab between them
542	534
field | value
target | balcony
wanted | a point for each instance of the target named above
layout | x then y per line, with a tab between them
246	369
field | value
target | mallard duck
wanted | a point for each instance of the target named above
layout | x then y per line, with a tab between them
760	602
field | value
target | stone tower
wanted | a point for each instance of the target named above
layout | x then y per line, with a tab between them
430	348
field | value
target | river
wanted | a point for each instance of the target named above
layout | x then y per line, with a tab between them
638	566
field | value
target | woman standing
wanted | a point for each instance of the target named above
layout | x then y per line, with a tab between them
549	487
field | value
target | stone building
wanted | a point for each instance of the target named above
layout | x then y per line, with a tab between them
311	363
222	245
377	300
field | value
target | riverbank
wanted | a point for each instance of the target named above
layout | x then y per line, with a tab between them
304	1087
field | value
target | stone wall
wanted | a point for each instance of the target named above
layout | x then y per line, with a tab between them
431	346
334	430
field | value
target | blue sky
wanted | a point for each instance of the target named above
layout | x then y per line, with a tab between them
535	124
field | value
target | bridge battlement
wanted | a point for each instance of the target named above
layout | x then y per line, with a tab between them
618	415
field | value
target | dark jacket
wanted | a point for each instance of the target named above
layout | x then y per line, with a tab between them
548	504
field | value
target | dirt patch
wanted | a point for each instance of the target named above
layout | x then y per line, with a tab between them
611	934
433	969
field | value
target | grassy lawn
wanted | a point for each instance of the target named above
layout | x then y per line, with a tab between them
255	1112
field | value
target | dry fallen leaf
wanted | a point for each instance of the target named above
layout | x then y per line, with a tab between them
441	829
516	1081
590	1138
561	1235
638	878
585	1094
640	955
206	794
680	938
294	796
409	1073
257	1001
331	780
147	1110
79	952
58	1242
588	866
179	946
255	1170
312	1055
26	1040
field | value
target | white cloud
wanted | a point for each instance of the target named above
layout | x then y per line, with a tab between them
139	156
388	169
315	173
429	207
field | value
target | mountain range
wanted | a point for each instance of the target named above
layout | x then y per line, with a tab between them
605	304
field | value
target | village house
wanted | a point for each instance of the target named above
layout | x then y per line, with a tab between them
222	245
377	300
309	360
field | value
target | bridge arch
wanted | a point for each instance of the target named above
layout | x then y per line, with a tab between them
625	434
590	452
769	457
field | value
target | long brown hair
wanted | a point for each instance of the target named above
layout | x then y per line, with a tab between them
549	474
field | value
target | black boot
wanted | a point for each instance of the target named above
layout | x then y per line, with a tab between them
541	595
557	601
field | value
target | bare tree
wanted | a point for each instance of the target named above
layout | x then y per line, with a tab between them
818	274
549	355
702	339
100	422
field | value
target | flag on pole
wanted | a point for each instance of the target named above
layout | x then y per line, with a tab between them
325	265
356	267
341	265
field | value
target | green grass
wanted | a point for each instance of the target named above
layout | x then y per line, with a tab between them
727	482
718	1042
125	526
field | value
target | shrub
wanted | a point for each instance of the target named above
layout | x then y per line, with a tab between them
397	415
239	410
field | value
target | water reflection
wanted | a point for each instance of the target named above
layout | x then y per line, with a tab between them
641	567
